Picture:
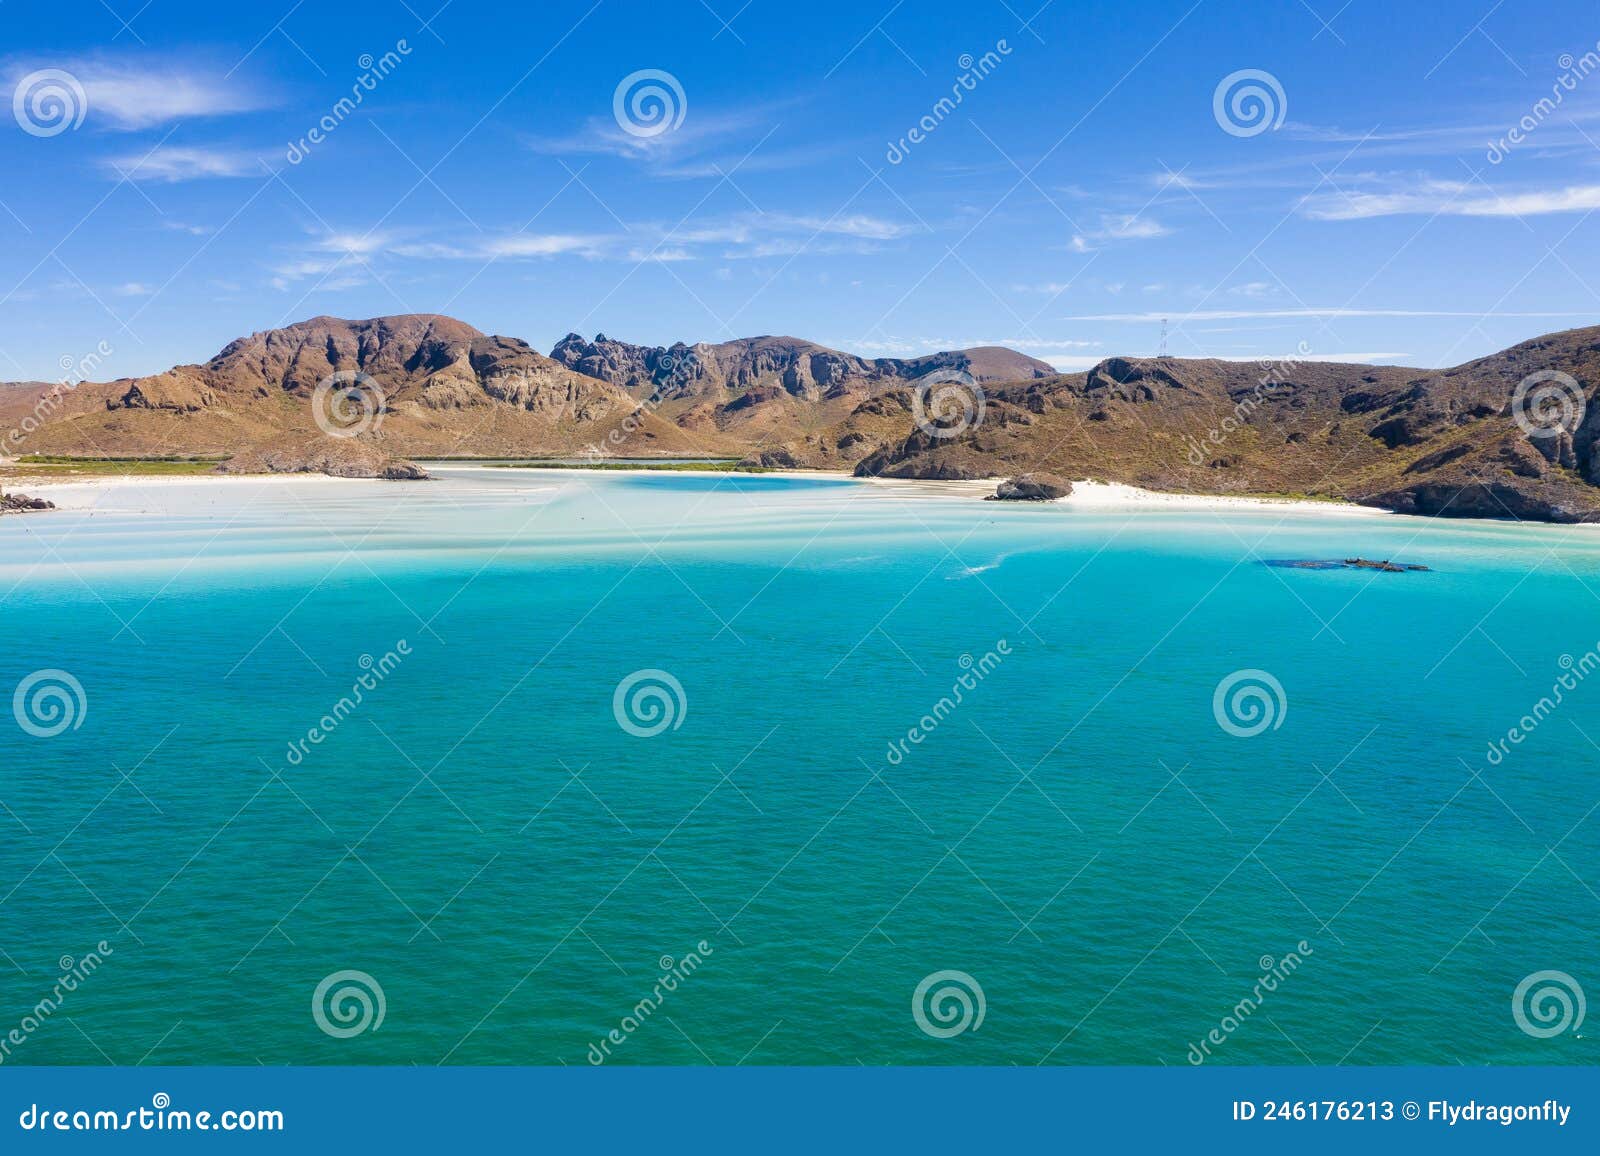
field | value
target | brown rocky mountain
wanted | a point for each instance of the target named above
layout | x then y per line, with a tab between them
411	386
799	368
790	402
1433	442
1446	442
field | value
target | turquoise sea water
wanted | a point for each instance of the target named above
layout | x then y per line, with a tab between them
1080	835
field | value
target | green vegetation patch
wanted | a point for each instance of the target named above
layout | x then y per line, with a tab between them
53	464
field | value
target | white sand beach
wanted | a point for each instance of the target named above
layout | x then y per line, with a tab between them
1107	497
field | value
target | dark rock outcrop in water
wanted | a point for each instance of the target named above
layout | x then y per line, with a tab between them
22	504
1032	488
1385	566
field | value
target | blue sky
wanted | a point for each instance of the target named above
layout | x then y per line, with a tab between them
1086	185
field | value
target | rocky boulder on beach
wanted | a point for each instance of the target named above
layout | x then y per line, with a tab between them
336	457
1035	487
21	503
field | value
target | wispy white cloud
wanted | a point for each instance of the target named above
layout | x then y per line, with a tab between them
1071	363
332	273
1180	314
541	245
351	252
749	235
1333	134
663	255
922	346
706	143
1119	227
756	235
755	228
169	164
355	244
127	94
307	267
1135	228
856	225
1453	199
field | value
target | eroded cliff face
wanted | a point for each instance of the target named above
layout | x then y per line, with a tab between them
799	368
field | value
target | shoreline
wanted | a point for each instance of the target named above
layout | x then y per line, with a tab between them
1091	495
1087	495
88	493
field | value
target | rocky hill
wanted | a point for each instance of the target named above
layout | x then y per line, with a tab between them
1516	434
790	401
799	368
410	386
1457	442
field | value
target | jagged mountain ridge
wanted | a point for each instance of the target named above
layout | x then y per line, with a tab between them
800	368
1432	442
791	402
438	387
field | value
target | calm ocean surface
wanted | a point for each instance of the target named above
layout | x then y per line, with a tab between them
1079	835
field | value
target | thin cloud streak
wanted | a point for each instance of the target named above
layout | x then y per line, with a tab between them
1454	200
131	94
170	164
1241	314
